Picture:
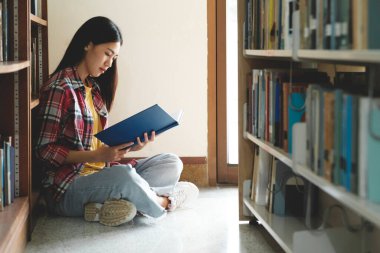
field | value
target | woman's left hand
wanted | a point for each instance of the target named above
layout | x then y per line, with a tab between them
141	144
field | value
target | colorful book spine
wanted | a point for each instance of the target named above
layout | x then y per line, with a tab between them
338	97
296	110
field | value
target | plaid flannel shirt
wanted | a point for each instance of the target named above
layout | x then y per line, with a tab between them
65	124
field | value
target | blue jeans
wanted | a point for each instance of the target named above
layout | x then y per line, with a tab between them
151	176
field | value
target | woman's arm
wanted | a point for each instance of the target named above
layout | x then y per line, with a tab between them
52	108
102	154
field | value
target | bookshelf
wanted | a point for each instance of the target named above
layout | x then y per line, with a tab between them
366	208
282	228
16	115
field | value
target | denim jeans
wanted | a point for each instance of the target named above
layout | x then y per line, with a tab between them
140	185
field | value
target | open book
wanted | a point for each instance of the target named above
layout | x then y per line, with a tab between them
153	118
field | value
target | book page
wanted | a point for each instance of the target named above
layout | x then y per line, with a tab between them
177	115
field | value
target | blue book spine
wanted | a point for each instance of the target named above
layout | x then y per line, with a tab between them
12	171
296	113
348	125
337	134
343	143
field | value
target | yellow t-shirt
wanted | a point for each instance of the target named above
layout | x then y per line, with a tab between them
90	168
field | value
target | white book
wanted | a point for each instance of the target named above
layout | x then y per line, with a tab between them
264	167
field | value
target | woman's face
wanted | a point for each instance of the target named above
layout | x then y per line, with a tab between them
99	58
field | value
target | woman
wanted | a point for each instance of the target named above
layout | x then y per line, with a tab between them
74	105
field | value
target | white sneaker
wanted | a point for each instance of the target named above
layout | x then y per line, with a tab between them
111	213
183	194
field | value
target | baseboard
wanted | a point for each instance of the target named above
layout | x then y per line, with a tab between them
195	170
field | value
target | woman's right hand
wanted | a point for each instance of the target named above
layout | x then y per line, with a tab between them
112	154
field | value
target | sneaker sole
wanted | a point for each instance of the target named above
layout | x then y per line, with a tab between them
111	213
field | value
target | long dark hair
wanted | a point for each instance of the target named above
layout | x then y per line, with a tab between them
97	30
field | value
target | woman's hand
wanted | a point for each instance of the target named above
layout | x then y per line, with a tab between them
140	144
112	154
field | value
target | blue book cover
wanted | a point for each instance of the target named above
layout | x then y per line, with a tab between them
151	119
373	151
12	169
337	134
348	137
296	113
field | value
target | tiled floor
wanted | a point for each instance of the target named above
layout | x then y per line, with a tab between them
211	225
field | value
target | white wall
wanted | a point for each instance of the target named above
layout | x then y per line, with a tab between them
163	60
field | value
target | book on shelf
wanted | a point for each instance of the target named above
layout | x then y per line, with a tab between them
263	171
153	118
272	184
1	179
289	197
5	30
349	143
372	9
338	98
1	31
364	105
296	108
333	141
36	7
299	143
373	148
7	171
254	174
328	24
328	138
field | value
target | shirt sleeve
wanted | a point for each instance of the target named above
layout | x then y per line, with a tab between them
53	108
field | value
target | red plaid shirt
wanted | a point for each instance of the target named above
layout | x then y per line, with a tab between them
65	124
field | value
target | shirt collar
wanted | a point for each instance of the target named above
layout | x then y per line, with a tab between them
80	84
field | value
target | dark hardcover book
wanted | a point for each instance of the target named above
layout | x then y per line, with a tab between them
289	197
373	9
151	119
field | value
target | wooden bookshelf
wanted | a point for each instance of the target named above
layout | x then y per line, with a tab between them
347	56
34	103
13	229
281	54
13	66
37	20
39	68
16	118
370	211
